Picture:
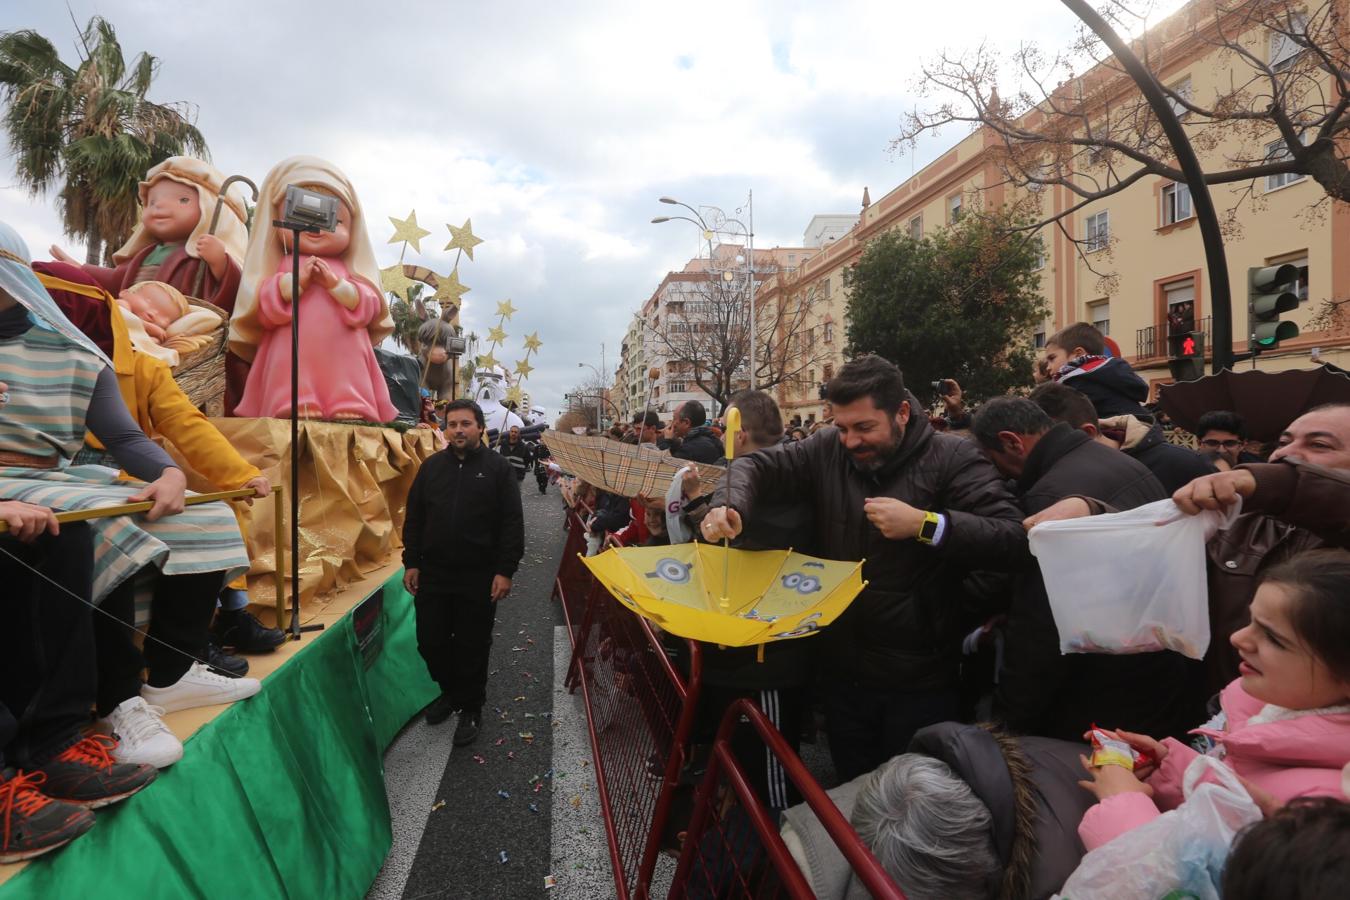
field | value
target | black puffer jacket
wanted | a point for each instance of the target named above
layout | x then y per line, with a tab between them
1173	466
903	632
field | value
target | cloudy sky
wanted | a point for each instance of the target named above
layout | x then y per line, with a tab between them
554	126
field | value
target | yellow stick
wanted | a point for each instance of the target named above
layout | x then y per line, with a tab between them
733	426
126	509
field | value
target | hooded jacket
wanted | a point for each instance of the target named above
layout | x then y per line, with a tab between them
700	445
1110	383
1173	466
1289	753
903	631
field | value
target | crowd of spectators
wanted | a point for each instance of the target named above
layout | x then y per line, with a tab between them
954	625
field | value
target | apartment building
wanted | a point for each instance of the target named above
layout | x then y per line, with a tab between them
1133	263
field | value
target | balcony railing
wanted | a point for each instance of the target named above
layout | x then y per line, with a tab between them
1151	342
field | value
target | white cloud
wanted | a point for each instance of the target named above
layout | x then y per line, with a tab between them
553	126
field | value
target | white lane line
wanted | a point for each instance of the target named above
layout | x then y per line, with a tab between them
413	767
578	852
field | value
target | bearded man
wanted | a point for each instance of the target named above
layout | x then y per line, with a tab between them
924	510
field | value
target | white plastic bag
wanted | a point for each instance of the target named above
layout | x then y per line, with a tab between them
1130	582
1180	853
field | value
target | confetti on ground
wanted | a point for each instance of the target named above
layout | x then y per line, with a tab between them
520	698
533	779
529	715
499	741
534	808
527	735
518	649
510	754
437	805
585	763
478	758
548	774
538	785
576	802
550	882
503	858
504	795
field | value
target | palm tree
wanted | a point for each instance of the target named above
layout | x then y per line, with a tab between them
89	129
409	313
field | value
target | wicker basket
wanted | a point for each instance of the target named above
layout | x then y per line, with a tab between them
201	373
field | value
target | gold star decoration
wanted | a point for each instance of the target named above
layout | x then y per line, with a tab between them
449	288
532	342
513	395
496	335
463	238
505	309
408	230
487	361
523	368
393	281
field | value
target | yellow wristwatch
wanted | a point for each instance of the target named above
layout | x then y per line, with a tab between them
928	530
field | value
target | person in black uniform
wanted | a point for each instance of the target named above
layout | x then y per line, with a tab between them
463	539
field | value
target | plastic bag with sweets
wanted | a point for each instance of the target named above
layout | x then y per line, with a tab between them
1130	582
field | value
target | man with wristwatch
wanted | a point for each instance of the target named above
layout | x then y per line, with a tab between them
924	510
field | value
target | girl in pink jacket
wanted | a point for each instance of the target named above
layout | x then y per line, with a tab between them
1285	724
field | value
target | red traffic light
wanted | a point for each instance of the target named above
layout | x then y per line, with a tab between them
1188	347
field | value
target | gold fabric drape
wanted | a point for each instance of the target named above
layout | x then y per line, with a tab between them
354	483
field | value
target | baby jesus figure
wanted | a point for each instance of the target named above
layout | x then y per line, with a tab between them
161	323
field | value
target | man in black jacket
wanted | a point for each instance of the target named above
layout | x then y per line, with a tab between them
516	451
1040	691
463	539
1173	466
697	442
923	509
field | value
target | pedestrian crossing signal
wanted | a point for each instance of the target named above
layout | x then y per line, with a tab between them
1186	358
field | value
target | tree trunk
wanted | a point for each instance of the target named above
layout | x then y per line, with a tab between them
93	254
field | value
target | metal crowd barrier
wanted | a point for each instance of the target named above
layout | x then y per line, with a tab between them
732	848
640	711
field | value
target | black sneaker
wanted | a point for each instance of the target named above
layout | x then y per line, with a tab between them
440	710
87	775
32	823
226	664
241	630
466	731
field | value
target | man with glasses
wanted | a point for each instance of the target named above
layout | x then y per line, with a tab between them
1223	434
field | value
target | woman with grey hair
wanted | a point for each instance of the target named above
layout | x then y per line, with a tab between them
927	829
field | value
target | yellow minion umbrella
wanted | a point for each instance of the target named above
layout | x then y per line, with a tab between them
771	595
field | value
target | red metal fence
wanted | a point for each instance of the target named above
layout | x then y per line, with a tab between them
733	849
640	712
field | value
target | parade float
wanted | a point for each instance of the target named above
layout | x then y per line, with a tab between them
282	355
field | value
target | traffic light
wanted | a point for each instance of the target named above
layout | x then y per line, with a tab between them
1186	355
1271	292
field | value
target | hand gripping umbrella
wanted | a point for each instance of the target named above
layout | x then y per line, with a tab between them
735	598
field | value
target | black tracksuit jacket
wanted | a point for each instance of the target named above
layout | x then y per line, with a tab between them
464	514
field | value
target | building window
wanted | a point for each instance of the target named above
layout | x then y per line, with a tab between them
1038	339
678	387
1183	90
1278	151
827	372
1283	48
1180	299
829	332
916	227
1098	231
1099	314
825	288
1039	247
954	209
810	377
1176	203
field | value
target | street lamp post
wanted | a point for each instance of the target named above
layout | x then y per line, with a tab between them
708	232
600	386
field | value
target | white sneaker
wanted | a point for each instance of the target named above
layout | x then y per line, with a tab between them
142	736
199	686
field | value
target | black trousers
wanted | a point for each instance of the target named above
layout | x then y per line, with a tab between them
455	613
47	673
785	707
180	619
867	726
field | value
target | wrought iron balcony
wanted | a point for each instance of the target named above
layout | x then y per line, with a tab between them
1152	342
